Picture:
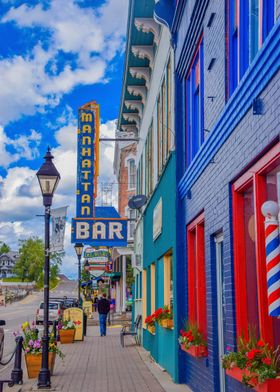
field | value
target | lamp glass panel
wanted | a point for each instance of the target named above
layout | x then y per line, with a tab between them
48	184
79	250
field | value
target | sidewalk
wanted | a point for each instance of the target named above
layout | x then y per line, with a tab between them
100	364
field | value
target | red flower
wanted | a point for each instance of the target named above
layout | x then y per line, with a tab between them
260	343
267	361
251	354
191	338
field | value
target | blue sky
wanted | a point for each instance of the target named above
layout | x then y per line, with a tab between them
55	55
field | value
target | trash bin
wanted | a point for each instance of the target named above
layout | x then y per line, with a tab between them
85	324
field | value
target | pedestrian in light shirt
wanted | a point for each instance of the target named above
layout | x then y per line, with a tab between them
103	307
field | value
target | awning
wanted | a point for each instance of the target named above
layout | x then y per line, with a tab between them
122	251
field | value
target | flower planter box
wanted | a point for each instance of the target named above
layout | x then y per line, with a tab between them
34	364
271	385
151	329
196	351
66	336
167	323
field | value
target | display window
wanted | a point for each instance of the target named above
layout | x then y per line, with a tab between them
258	184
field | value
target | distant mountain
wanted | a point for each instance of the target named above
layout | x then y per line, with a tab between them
63	277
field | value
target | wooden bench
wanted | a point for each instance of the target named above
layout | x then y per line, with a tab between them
131	330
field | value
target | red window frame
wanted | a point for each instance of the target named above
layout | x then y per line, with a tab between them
196	273
255	177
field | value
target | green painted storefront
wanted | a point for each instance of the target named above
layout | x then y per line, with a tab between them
163	345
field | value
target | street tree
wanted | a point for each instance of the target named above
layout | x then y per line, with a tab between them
4	248
31	259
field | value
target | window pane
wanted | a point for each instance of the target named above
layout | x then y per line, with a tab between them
251	271
273	193
254	25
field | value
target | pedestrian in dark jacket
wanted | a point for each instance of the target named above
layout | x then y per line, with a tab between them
103	307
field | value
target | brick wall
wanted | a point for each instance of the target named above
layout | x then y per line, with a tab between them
212	193
124	193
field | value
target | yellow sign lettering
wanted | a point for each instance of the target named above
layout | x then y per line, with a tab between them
86	163
86	174
85	210
85	198
87	117
86	185
86	129
86	140
86	151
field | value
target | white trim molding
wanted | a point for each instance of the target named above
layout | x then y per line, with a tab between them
148	25
144	52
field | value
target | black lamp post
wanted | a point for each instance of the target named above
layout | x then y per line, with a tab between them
79	251
48	178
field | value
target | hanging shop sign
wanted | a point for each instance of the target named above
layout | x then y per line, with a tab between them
87	154
88	227
100	231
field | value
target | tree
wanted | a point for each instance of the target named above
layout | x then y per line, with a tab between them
30	264
4	248
31	259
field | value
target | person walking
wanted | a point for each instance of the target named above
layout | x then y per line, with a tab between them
103	307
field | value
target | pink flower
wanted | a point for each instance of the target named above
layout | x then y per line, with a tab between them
30	343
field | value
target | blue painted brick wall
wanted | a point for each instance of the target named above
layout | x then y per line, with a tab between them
212	193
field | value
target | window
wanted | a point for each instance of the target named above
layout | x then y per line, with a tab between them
149	177
249	23
131	214
196	273
153	288
249	193
164	119
195	105
168	280
168	107
144	297
131	174
159	136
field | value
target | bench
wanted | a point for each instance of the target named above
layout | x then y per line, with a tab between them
131	330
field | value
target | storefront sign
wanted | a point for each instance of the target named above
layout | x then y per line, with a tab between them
76	315
87	307
87	168
100	231
157	220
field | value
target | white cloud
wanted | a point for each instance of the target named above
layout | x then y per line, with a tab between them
24	146
20	196
94	36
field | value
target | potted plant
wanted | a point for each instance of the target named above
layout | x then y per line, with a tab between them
255	364
192	341
66	330
150	322
164	317
167	318
32	345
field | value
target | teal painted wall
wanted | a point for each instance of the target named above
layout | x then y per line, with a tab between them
163	346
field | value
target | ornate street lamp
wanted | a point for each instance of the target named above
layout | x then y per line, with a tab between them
48	178
79	251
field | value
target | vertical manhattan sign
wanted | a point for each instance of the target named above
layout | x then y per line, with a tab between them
89	226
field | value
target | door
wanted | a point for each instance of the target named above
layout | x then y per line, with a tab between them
221	306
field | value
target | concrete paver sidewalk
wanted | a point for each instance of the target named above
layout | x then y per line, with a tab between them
100	364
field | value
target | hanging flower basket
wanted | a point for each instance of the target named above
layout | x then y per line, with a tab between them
34	363
195	351
167	323
66	335
270	385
